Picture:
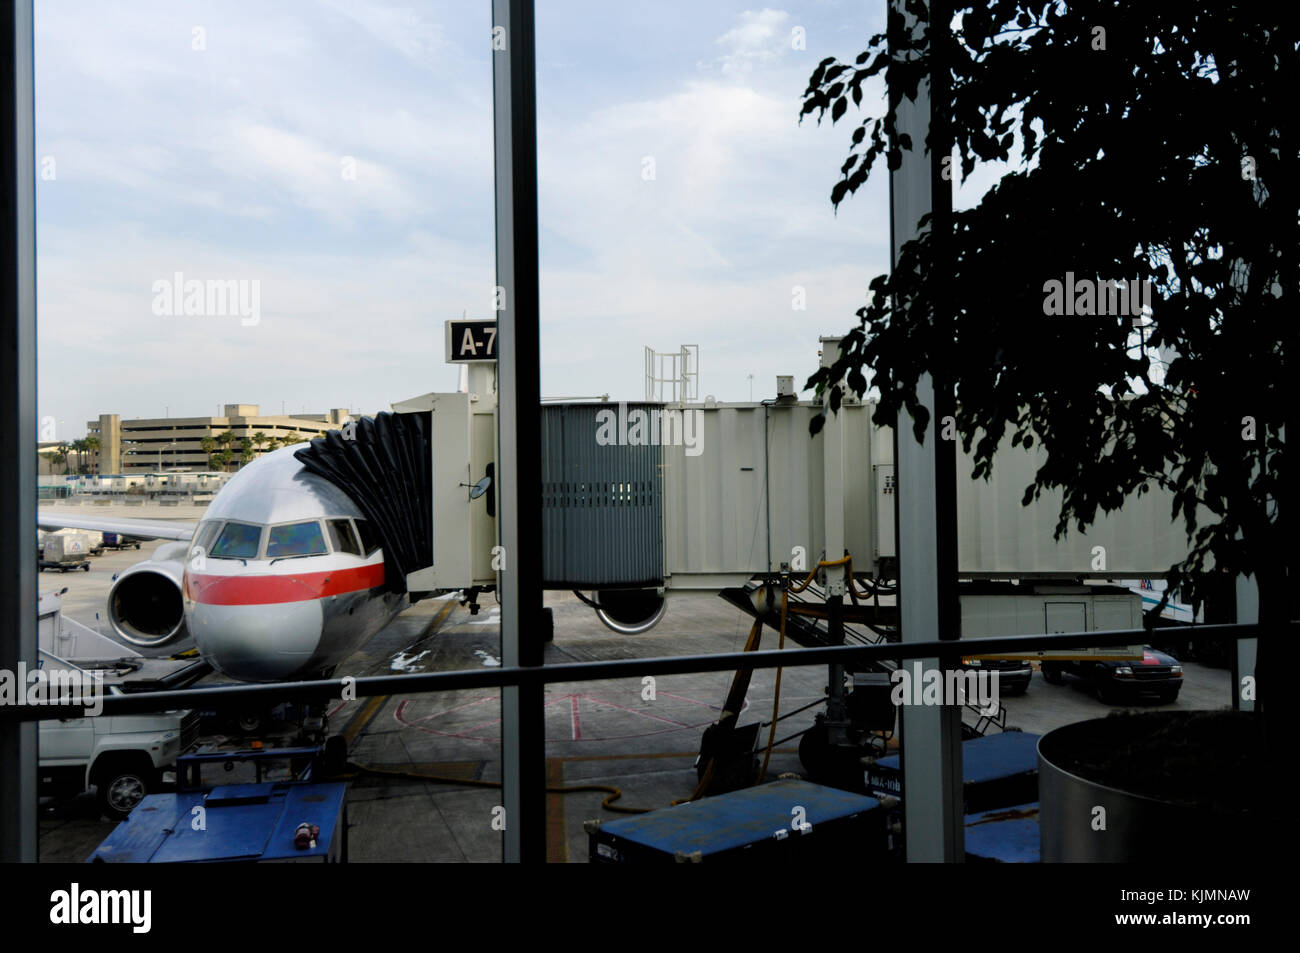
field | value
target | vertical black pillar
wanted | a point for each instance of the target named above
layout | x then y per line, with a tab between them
17	418
519	474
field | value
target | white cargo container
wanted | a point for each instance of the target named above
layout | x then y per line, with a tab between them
64	551
1043	610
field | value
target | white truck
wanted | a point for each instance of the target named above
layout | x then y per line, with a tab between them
122	756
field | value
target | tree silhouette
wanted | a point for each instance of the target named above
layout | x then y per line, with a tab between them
1150	141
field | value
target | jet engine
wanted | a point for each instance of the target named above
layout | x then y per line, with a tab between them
145	606
630	611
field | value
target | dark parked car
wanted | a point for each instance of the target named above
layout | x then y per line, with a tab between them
1013	675
1156	675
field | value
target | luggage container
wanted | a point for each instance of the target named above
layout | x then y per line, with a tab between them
66	551
782	821
997	771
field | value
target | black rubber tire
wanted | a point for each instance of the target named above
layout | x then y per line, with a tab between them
334	758
825	764
251	722
1053	675
122	783
1106	695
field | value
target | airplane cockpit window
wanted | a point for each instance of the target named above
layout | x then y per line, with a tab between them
237	541
342	539
369	541
204	535
296	539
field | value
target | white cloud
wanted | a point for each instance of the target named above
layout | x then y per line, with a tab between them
758	41
398	27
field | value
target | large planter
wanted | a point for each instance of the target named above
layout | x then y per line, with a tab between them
1151	786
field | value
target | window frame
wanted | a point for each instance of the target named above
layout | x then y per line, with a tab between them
352	530
266	539
261	540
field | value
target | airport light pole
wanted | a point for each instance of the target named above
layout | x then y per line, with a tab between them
168	446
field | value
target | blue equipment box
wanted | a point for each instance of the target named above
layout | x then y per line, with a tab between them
238	822
784	820
1005	835
997	771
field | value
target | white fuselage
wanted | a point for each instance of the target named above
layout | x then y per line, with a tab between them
284	579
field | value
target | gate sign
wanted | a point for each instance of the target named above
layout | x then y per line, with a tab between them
471	341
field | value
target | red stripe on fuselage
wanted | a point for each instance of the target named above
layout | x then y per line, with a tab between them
251	590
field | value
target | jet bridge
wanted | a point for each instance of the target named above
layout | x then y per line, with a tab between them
640	498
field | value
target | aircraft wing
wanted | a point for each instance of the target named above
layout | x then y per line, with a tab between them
137	528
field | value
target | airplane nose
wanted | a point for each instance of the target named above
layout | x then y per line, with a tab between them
258	643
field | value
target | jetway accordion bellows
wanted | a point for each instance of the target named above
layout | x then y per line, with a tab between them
602	498
383	464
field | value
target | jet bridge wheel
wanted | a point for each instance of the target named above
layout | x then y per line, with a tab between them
630	611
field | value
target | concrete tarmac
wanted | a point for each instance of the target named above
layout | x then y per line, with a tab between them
431	759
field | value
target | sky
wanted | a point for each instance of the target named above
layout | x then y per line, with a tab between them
336	156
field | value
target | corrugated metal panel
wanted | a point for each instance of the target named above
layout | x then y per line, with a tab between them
697	509
998	536
602	505
719	503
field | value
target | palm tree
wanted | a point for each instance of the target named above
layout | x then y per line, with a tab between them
92	444
208	443
259	438
246	451
225	438
79	447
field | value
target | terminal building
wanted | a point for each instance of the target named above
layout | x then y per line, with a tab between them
167	443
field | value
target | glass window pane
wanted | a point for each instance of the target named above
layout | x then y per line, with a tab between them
237	541
369	541
206	533
297	539
341	538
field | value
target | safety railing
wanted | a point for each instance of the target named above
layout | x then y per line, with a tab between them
222	697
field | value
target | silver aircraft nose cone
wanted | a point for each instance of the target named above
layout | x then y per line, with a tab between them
264	642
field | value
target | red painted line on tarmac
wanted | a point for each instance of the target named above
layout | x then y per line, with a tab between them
633	711
448	711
